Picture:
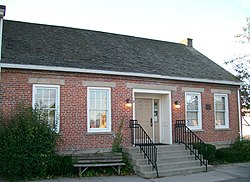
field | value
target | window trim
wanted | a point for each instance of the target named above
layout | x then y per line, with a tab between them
99	130
57	87
226	126
199	127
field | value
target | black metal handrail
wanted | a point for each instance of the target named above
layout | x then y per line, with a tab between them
140	138
191	141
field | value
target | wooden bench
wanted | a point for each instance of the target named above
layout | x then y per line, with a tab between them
105	159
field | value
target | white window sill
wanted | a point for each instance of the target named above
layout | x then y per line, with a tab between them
222	129
197	130
99	133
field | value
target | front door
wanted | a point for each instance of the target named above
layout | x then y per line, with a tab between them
147	114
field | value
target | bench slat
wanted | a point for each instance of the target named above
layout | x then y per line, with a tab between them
99	155
97	161
85	158
99	165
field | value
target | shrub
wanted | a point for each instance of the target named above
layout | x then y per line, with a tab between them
228	155
27	147
237	152
117	143
60	165
127	169
243	146
211	149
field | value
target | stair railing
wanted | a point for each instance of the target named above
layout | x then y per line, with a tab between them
184	135
140	138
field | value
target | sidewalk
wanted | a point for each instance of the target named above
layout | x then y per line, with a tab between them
239	172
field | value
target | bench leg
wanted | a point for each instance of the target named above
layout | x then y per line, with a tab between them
118	170
82	171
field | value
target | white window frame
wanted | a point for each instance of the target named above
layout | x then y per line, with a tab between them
57	104
226	111
199	126
108	124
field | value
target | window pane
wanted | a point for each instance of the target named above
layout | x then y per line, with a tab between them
51	118
192	118
52	104
38	102
45	103
103	123
192	102
97	95
92	104
52	93
98	119
220	103
92	119
39	94
39	98
52	98
219	118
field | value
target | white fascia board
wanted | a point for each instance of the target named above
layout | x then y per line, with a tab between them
79	70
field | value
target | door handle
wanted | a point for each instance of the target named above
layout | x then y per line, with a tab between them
151	122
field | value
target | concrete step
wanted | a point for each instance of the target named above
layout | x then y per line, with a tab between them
172	153
136	156
171	160
164	160
175	159
168	166
131	149
162	154
174	147
165	173
160	148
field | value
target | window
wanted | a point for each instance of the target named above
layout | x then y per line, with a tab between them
221	110
193	110
46	99
99	109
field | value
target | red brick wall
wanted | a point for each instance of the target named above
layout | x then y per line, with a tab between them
208	132
73	105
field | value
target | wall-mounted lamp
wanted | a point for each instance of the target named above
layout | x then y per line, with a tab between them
177	105
128	103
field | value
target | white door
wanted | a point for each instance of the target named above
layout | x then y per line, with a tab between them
147	112
144	115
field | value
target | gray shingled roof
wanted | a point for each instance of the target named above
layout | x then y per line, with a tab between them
46	45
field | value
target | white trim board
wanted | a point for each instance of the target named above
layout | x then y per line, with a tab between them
167	105
80	70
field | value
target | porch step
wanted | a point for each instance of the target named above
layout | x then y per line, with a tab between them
165	173
169	154
167	166
165	160
171	160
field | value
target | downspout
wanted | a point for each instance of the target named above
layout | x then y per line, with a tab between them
239	111
2	14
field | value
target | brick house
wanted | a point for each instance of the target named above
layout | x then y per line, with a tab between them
87	82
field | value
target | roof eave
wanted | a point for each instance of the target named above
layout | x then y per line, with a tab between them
80	70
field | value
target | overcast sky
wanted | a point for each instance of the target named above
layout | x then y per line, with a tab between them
212	24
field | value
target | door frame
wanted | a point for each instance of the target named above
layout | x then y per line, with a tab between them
152	98
169	118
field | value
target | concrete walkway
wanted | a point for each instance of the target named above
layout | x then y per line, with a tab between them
239	172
